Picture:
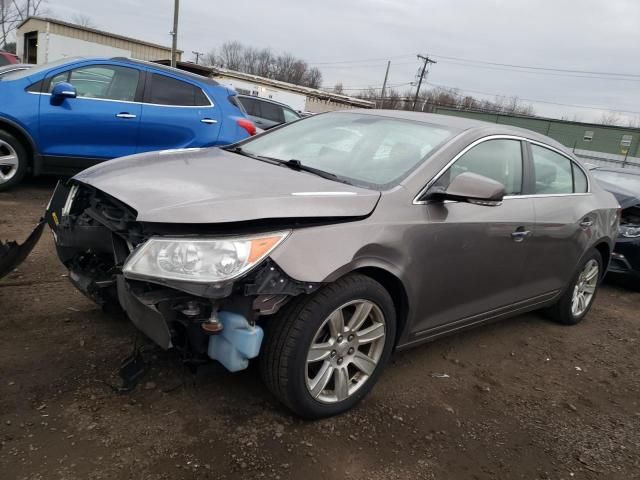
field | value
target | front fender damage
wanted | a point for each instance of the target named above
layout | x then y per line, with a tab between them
94	238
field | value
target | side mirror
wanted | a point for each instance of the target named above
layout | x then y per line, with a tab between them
472	188
64	90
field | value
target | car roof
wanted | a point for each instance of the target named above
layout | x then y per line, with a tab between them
463	124
165	68
269	100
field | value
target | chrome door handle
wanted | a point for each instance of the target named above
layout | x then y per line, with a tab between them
209	121
520	235
125	115
586	223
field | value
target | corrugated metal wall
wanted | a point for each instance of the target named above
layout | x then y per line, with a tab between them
138	50
571	134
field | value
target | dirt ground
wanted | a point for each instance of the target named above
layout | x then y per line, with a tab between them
524	398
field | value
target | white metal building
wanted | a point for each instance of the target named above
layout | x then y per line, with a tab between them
41	40
297	97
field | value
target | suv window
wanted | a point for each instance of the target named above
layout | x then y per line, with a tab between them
290	115
103	81
500	160
554	174
169	91
251	106
272	112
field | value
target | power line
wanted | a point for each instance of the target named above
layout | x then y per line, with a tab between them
555	74
361	60
338	64
548	69
591	107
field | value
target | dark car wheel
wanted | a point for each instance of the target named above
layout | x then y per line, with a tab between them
577	300
324	352
13	161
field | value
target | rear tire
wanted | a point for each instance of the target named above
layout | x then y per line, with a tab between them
304	340
579	296
14	161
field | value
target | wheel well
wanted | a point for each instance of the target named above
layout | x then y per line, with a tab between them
603	248
21	137
397	291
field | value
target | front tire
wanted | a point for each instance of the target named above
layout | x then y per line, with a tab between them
14	161
325	352
578	299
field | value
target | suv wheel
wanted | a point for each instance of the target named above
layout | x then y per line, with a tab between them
13	161
324	352
577	300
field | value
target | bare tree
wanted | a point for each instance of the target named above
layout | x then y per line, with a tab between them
83	20
230	55
12	12
338	88
610	118
262	62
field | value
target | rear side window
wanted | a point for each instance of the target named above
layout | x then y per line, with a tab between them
169	91
499	160
580	184
553	172
272	112
251	106
289	115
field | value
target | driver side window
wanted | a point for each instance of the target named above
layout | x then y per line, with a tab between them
499	160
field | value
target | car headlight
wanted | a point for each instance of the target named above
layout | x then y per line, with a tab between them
200	260
629	231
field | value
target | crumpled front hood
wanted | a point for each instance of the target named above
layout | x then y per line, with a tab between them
215	186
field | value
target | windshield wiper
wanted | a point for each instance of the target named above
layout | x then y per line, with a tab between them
297	165
240	151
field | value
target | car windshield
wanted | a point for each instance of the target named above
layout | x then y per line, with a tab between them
628	181
367	150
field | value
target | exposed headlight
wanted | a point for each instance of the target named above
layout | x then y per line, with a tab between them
629	231
200	260
69	202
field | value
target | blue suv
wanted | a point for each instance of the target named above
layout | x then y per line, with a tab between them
68	115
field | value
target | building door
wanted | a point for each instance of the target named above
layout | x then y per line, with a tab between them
31	47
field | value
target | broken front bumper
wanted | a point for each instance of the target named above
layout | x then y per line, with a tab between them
13	254
95	234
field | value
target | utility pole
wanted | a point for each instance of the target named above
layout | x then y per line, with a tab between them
198	55
384	84
174	33
427	61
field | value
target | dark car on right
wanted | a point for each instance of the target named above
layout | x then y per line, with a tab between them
266	113
624	184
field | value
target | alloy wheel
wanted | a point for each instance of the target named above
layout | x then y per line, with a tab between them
345	351
585	288
8	162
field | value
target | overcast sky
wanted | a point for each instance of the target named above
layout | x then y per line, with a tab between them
584	35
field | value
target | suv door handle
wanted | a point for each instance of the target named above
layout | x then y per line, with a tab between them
520	234
125	115
209	121
586	222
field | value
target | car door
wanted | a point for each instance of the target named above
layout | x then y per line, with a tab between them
176	114
100	123
564	216
477	253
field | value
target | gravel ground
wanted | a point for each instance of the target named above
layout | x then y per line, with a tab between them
523	398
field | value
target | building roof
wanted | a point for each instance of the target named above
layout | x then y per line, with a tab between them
309	92
96	31
535	117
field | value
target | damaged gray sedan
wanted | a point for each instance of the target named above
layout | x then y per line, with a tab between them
322	246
